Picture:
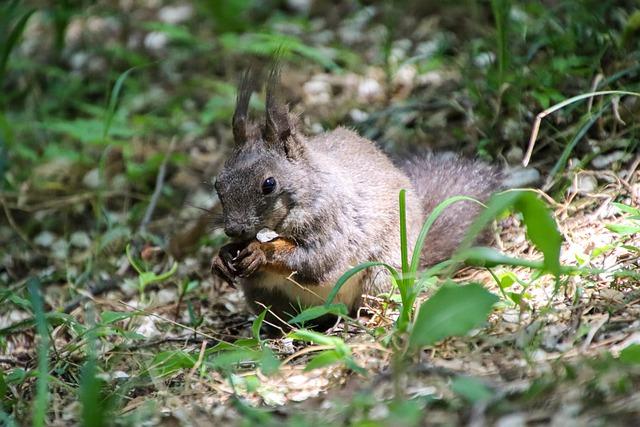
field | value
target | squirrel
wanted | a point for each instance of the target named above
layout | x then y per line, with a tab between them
332	199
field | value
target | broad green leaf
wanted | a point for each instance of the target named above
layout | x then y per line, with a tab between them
471	389
108	317
167	362
269	363
324	358
488	257
626	208
624	229
631	354
507	280
227	360
452	310
541	229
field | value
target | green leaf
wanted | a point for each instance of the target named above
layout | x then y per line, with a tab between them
323	359
269	363
312	313
8	44
630	354
315	337
453	310
433	216
3	387
230	359
488	257
257	324
541	229
108	317
471	389
167	362
507	280
626	208
623	229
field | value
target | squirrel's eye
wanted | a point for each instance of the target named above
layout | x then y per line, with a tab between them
268	185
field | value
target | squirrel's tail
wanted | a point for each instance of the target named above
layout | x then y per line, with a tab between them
436	177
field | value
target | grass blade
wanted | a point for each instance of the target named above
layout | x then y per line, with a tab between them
404	249
433	216
560	105
355	270
9	44
42	396
113	101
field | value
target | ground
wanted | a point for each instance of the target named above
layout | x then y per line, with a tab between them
116	118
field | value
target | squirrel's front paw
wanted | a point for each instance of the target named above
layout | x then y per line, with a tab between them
223	263
250	259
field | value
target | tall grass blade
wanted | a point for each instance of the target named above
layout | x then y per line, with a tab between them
355	270
42	396
9	44
560	105
404	245
500	10
113	101
566	153
433	216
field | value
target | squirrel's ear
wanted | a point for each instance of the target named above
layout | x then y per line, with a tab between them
279	131
246	87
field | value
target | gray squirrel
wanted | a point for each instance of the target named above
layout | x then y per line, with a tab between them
332	201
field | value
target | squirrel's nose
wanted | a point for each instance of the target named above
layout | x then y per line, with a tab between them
235	231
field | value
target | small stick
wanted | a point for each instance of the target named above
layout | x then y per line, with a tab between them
155	197
558	106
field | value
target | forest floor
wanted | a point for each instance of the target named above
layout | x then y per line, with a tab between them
131	311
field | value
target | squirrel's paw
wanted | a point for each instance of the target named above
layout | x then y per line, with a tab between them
222	264
250	259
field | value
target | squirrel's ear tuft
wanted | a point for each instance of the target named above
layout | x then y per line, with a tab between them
248	84
279	130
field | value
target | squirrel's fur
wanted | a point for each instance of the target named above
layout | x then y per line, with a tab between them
334	206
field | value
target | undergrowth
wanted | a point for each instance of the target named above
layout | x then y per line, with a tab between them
111	119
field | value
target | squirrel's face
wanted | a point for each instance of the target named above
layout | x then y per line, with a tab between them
260	182
254	188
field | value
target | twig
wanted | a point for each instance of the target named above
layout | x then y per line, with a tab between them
594	87
64	201
203	347
155	197
101	288
157	316
15	227
632	169
558	106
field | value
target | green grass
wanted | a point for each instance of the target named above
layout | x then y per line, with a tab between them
113	117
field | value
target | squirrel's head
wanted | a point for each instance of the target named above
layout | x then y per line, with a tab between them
258	184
